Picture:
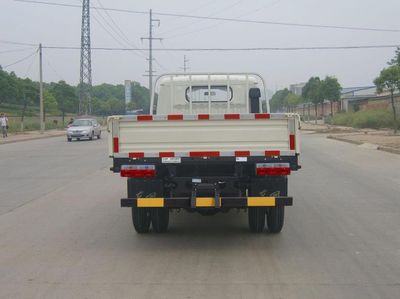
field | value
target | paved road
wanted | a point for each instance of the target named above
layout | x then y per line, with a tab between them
63	235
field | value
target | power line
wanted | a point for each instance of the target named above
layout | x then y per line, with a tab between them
224	19
127	39
53	69
17	43
30	65
207	3
265	5
173	57
231	49
160	65
15	50
224	9
20	60
279	23
217	24
121	40
79	6
106	30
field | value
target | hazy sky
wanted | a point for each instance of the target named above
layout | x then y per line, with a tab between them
51	25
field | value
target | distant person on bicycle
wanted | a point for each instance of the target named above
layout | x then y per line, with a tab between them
4	124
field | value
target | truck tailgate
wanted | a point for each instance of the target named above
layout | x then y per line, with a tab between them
189	135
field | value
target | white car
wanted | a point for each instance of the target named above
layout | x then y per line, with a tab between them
84	128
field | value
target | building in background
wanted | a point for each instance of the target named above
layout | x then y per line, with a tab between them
297	88
128	91
352	99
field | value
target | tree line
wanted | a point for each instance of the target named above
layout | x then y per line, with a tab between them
389	80
315	91
62	98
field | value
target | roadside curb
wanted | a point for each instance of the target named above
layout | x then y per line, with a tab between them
33	138
344	140
380	147
44	136
389	149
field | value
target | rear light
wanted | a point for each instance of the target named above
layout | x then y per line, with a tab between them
263	169
292	141
116	144
138	171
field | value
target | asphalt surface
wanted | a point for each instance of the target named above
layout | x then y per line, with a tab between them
63	234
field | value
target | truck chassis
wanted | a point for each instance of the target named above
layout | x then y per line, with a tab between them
221	184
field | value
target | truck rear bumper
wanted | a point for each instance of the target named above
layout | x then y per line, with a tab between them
206	202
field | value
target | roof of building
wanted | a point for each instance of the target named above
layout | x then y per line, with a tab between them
354	89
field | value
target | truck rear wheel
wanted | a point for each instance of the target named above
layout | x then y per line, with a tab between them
275	219
141	220
159	219
256	219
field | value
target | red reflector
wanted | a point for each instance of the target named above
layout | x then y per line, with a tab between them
242	153
232	116
263	169
136	155
166	154
262	116
292	141
204	154
138	170
272	171
272	153
116	144
144	117
203	117
175	117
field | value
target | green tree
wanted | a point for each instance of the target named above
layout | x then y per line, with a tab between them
278	101
49	102
292	100
30	95
106	92
140	97
312	92
389	79
65	96
107	98
331	90
396	59
10	91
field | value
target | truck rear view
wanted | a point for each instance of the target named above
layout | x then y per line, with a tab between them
209	145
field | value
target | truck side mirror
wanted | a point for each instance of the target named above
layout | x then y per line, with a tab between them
254	95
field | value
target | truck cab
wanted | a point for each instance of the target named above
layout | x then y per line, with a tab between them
211	94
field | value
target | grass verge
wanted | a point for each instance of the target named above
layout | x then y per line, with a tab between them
373	119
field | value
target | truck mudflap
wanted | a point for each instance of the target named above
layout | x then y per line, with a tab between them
206	202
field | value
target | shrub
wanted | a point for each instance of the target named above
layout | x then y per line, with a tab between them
343	119
373	119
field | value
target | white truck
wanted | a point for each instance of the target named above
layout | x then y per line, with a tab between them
208	145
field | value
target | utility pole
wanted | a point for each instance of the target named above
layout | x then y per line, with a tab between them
41	90
85	82
185	66
151	38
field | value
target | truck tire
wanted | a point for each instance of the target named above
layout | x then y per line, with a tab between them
159	219
256	219
275	219
141	220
